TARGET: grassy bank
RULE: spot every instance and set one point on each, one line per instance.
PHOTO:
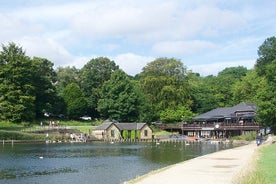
(263, 169)
(36, 132)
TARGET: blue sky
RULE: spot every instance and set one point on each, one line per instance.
(207, 36)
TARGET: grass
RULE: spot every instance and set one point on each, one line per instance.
(84, 129)
(30, 131)
(16, 135)
(159, 133)
(267, 162)
(263, 169)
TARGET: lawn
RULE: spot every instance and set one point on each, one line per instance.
(33, 131)
(266, 165)
(263, 168)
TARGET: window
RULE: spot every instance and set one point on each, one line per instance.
(146, 133)
(112, 133)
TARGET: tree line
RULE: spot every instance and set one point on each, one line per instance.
(165, 90)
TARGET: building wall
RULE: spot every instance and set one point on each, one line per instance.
(98, 134)
(146, 132)
(112, 133)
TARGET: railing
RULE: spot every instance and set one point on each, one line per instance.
(210, 125)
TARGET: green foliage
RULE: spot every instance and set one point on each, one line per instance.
(17, 90)
(132, 134)
(75, 102)
(165, 85)
(13, 135)
(125, 134)
(31, 87)
(248, 137)
(176, 115)
(202, 93)
(46, 96)
(267, 54)
(224, 83)
(119, 99)
(65, 76)
(138, 136)
(92, 77)
(247, 88)
(266, 96)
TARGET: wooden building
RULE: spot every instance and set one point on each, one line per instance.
(221, 122)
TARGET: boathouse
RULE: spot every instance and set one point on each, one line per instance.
(116, 131)
(135, 130)
(107, 131)
(221, 122)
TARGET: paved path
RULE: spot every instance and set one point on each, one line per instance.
(216, 168)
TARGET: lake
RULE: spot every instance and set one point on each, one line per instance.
(95, 162)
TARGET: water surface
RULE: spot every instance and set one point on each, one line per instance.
(85, 163)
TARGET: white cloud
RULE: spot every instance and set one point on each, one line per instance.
(46, 48)
(123, 20)
(131, 63)
(70, 32)
(182, 47)
(215, 68)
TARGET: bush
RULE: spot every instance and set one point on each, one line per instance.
(251, 136)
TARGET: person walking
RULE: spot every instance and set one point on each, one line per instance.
(259, 139)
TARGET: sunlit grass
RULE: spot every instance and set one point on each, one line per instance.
(263, 169)
(267, 164)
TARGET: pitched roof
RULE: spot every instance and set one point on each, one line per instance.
(245, 107)
(228, 112)
(104, 126)
(121, 126)
(130, 126)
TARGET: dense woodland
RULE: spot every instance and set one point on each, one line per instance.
(165, 90)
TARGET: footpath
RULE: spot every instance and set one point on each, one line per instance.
(221, 167)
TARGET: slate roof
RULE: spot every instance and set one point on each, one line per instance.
(130, 126)
(104, 126)
(228, 112)
(121, 126)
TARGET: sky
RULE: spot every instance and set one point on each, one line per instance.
(207, 36)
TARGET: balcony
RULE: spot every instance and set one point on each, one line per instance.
(212, 126)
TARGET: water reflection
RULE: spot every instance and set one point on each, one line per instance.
(92, 162)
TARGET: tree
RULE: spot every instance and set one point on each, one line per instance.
(65, 76)
(246, 90)
(202, 93)
(179, 114)
(92, 77)
(75, 101)
(266, 103)
(224, 82)
(119, 99)
(266, 67)
(44, 79)
(165, 85)
(17, 90)
(267, 54)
